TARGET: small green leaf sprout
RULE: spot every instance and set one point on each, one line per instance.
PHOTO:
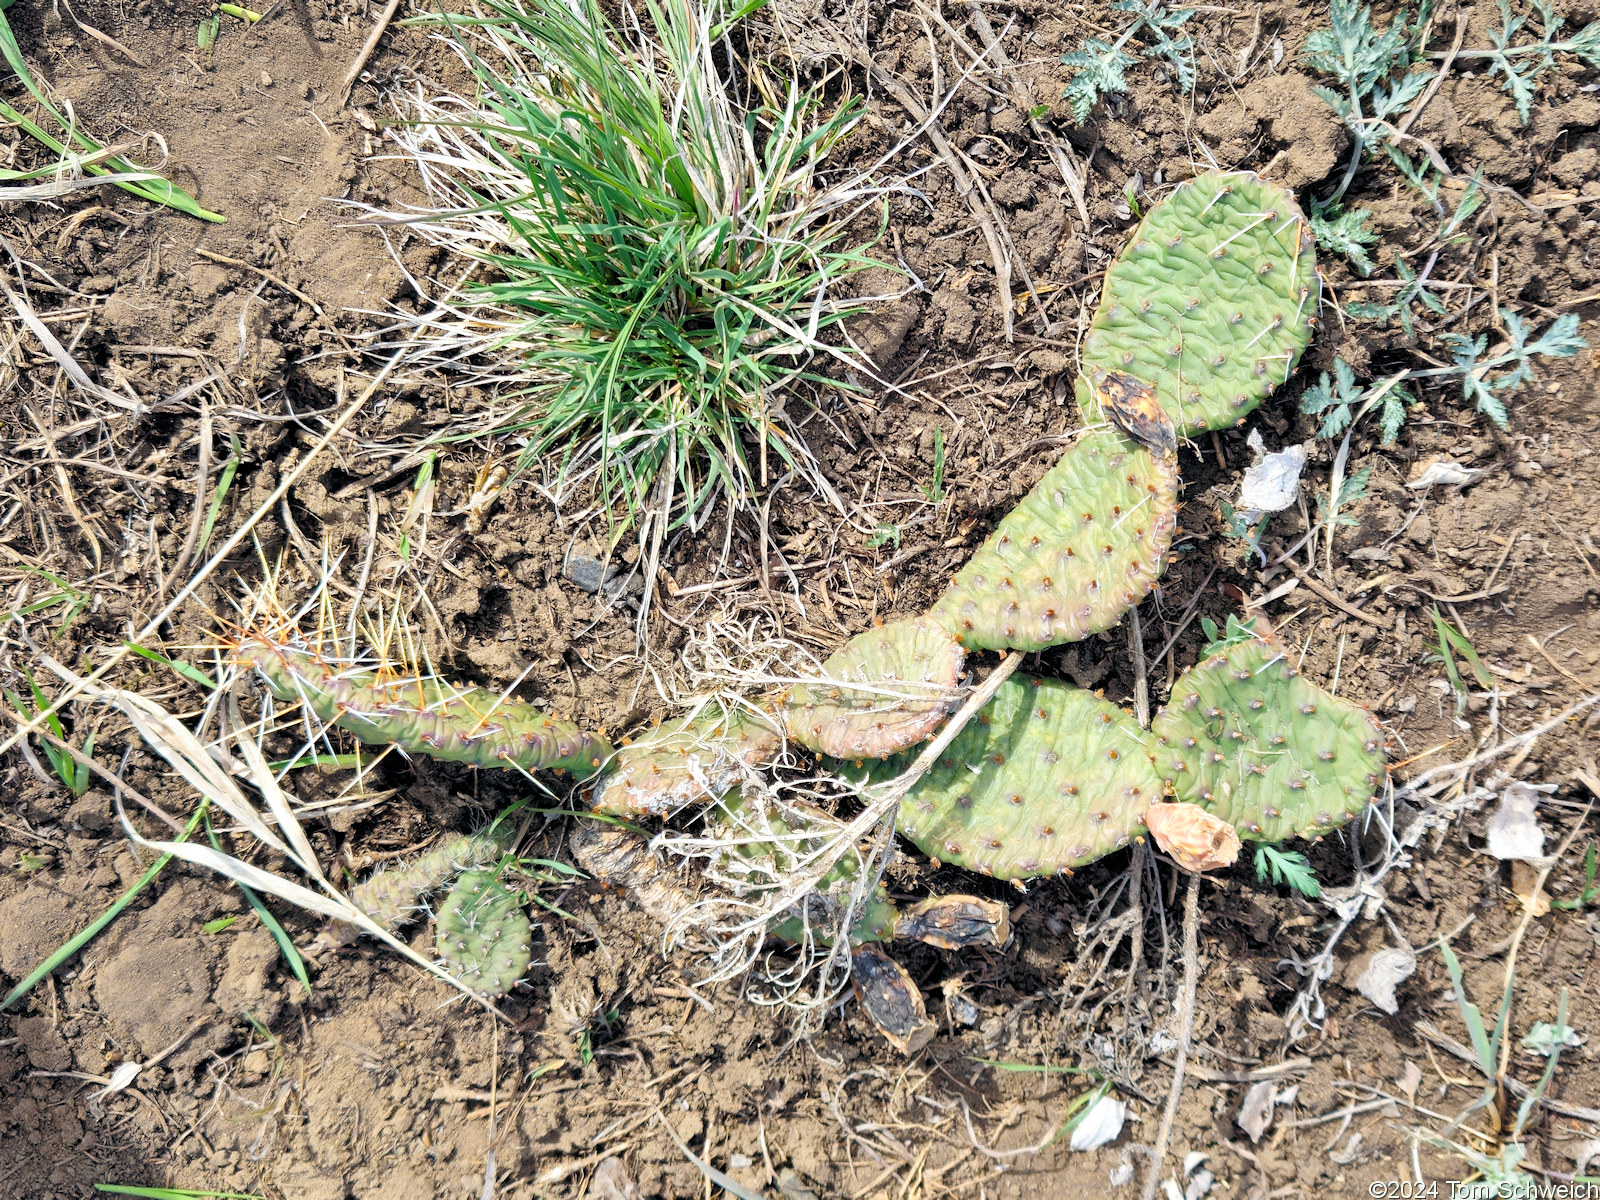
(1289, 867)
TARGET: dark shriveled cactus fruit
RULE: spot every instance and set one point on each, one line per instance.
(908, 671)
(1212, 300)
(1247, 738)
(423, 716)
(1045, 778)
(1081, 549)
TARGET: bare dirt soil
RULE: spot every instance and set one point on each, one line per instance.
(381, 1083)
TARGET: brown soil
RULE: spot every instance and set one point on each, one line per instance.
(381, 1084)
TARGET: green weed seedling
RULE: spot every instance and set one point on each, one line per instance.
(1344, 232)
(1522, 65)
(1373, 70)
(163, 1193)
(1590, 892)
(1288, 867)
(1489, 395)
(1102, 66)
(1451, 643)
(73, 774)
(1414, 289)
(76, 599)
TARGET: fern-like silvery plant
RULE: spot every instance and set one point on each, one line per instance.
(1338, 401)
(1522, 65)
(1344, 232)
(1373, 69)
(1488, 392)
(1102, 66)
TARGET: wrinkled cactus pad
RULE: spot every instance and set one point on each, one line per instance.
(1043, 779)
(1212, 300)
(1081, 549)
(425, 716)
(692, 760)
(1247, 738)
(392, 896)
(483, 935)
(907, 672)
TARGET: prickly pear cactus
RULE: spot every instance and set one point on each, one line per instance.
(1212, 300)
(683, 762)
(483, 935)
(1045, 778)
(1081, 549)
(392, 896)
(1248, 739)
(424, 716)
(908, 672)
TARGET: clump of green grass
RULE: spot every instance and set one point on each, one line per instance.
(657, 255)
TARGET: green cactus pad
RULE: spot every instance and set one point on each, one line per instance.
(423, 716)
(1043, 779)
(1081, 549)
(688, 761)
(483, 936)
(910, 668)
(1212, 300)
(1247, 738)
(392, 896)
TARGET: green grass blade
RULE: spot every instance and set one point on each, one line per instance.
(81, 939)
(1470, 1014)
(286, 945)
(188, 670)
(158, 191)
(224, 482)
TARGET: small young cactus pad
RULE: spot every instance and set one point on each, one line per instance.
(908, 669)
(483, 936)
(688, 761)
(1212, 300)
(1081, 549)
(392, 896)
(1247, 738)
(424, 715)
(1045, 778)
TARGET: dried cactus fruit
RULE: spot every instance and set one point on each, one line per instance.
(1247, 738)
(1196, 839)
(909, 670)
(889, 997)
(688, 761)
(1212, 300)
(423, 715)
(1045, 778)
(482, 933)
(1081, 549)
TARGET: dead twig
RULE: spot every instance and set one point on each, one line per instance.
(1061, 154)
(1191, 972)
(367, 48)
(265, 274)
